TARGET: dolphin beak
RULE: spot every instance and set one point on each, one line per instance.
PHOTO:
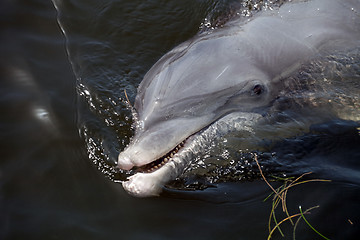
(124, 162)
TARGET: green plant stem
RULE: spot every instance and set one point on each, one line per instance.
(302, 215)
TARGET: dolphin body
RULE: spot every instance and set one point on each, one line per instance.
(233, 70)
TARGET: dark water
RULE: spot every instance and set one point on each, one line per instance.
(64, 120)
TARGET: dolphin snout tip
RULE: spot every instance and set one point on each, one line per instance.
(124, 162)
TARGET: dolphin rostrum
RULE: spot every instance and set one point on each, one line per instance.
(235, 69)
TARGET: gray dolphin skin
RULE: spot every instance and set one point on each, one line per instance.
(234, 70)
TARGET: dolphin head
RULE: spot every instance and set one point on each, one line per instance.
(184, 92)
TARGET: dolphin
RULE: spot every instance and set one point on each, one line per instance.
(234, 70)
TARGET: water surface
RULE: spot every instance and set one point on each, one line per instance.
(64, 119)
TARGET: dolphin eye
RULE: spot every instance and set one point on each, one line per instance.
(257, 89)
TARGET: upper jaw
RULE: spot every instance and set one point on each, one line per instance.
(157, 141)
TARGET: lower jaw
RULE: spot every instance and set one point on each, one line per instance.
(151, 184)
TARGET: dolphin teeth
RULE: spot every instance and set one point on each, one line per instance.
(155, 165)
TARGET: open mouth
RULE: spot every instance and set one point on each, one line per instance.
(155, 165)
(160, 162)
